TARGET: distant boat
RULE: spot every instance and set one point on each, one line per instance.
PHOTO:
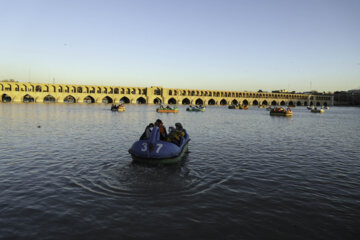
(281, 112)
(315, 110)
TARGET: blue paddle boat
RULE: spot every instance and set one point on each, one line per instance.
(156, 151)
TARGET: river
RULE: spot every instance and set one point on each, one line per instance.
(65, 173)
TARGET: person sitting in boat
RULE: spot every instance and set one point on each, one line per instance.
(114, 107)
(147, 132)
(175, 134)
(162, 129)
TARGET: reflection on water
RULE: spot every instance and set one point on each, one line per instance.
(65, 172)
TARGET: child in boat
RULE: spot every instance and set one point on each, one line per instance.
(162, 129)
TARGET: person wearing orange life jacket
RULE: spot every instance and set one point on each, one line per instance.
(162, 129)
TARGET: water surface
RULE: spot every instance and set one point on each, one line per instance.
(65, 173)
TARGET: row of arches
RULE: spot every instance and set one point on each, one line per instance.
(69, 99)
(186, 101)
(70, 89)
(183, 92)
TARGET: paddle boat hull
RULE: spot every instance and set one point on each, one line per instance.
(317, 110)
(167, 110)
(118, 109)
(233, 107)
(281, 112)
(156, 151)
(195, 109)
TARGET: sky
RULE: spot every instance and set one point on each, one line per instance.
(235, 45)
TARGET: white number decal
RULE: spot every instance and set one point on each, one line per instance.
(144, 147)
(159, 146)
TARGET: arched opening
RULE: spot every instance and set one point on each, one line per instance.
(311, 104)
(298, 103)
(305, 104)
(28, 99)
(107, 99)
(79, 90)
(235, 102)
(69, 99)
(38, 88)
(245, 102)
(211, 102)
(265, 103)
(282, 103)
(89, 99)
(124, 100)
(172, 100)
(223, 102)
(116, 91)
(186, 101)
(49, 99)
(318, 104)
(255, 102)
(291, 103)
(325, 104)
(157, 101)
(274, 103)
(199, 102)
(141, 100)
(6, 98)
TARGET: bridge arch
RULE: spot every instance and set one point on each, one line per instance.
(6, 98)
(124, 100)
(199, 101)
(157, 101)
(223, 102)
(89, 99)
(172, 100)
(27, 98)
(107, 99)
(185, 101)
(298, 103)
(234, 101)
(245, 102)
(274, 103)
(282, 103)
(255, 103)
(318, 104)
(291, 103)
(211, 102)
(265, 103)
(49, 99)
(140, 100)
(69, 99)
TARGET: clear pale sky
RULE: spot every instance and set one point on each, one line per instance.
(226, 44)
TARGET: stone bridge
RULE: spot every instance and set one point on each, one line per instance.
(67, 93)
